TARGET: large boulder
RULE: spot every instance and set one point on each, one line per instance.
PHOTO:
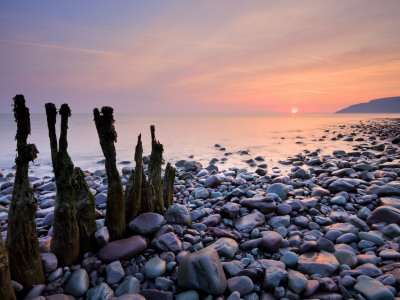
(202, 271)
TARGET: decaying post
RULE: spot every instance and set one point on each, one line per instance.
(85, 213)
(133, 190)
(155, 184)
(115, 214)
(168, 185)
(22, 238)
(146, 205)
(65, 241)
(6, 288)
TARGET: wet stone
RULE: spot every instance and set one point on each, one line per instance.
(322, 263)
(146, 223)
(372, 289)
(202, 271)
(248, 222)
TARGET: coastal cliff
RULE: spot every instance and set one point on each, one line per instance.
(382, 105)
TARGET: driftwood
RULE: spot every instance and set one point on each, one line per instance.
(22, 238)
(115, 216)
(65, 241)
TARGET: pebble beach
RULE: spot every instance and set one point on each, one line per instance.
(321, 226)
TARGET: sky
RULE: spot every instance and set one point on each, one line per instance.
(199, 56)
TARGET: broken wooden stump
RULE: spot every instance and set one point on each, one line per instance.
(65, 241)
(22, 238)
(115, 216)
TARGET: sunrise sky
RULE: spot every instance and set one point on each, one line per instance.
(199, 56)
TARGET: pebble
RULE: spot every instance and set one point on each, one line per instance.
(372, 289)
(225, 247)
(241, 284)
(78, 283)
(146, 223)
(271, 242)
(155, 267)
(49, 261)
(115, 272)
(296, 281)
(102, 291)
(178, 214)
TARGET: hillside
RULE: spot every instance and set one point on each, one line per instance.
(383, 105)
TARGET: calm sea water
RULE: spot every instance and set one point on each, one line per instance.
(272, 136)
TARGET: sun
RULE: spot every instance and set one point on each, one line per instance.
(294, 110)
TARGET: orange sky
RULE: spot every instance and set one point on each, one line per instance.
(200, 56)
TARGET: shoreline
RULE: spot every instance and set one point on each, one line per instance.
(263, 226)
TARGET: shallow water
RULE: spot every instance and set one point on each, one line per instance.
(273, 136)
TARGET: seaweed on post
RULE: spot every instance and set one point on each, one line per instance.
(155, 183)
(65, 241)
(6, 288)
(133, 190)
(168, 185)
(85, 213)
(22, 238)
(115, 214)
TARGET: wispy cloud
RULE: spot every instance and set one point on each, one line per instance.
(90, 51)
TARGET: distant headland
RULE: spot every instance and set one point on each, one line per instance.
(382, 105)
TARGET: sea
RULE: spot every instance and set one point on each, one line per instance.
(274, 137)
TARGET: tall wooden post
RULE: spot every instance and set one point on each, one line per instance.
(22, 238)
(115, 214)
(65, 241)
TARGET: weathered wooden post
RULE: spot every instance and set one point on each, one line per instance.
(115, 214)
(133, 190)
(168, 185)
(22, 238)
(155, 185)
(65, 241)
(6, 288)
(85, 213)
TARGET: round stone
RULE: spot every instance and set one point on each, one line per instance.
(155, 267)
(271, 242)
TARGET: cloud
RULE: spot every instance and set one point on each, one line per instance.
(59, 47)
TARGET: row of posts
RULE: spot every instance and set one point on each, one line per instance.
(74, 213)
